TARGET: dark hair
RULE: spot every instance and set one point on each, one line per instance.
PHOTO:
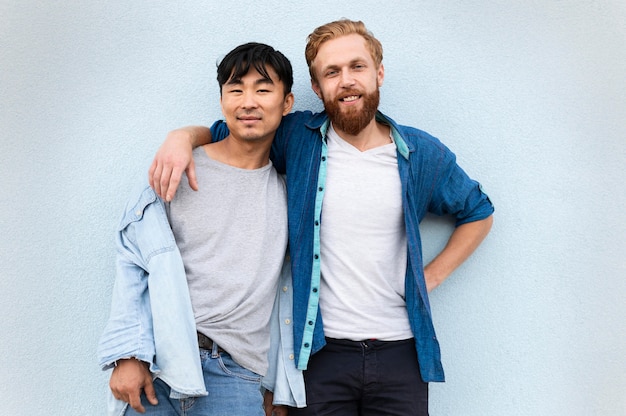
(237, 63)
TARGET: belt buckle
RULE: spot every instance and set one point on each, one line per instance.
(204, 342)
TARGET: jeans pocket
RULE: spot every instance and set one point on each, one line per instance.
(231, 368)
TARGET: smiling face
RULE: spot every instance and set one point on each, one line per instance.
(347, 80)
(253, 105)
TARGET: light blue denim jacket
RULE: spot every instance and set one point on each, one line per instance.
(151, 314)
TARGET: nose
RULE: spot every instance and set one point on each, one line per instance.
(249, 100)
(347, 80)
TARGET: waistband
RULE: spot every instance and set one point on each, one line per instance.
(367, 342)
(206, 343)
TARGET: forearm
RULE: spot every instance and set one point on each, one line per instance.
(462, 243)
(198, 135)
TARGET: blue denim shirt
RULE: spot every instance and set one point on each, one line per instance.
(151, 314)
(431, 182)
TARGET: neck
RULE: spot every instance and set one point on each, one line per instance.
(374, 135)
(241, 154)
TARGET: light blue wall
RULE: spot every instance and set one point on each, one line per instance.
(531, 95)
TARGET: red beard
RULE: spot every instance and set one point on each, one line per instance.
(351, 120)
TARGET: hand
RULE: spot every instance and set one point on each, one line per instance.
(129, 378)
(172, 159)
(280, 411)
(432, 281)
(270, 409)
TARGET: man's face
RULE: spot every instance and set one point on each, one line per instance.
(253, 106)
(348, 82)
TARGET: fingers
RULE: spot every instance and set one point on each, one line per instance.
(153, 167)
(174, 157)
(150, 393)
(191, 174)
(164, 181)
(280, 411)
(270, 409)
(132, 397)
(170, 180)
(165, 176)
(154, 176)
(129, 378)
(268, 397)
(134, 400)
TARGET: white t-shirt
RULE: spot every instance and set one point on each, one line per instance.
(363, 244)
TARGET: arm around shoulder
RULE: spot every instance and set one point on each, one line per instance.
(175, 157)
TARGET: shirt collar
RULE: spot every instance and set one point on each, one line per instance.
(321, 122)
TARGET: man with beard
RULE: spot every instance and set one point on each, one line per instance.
(358, 185)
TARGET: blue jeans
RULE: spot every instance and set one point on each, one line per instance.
(233, 390)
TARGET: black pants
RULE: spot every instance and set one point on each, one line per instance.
(364, 378)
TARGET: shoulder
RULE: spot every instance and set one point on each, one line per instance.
(414, 138)
(420, 138)
(420, 147)
(302, 119)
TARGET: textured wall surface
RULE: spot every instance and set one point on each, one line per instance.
(530, 95)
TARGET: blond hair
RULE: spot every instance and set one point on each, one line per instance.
(337, 29)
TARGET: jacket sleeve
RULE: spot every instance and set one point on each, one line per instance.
(128, 332)
(455, 193)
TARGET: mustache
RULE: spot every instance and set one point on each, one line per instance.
(349, 93)
(248, 114)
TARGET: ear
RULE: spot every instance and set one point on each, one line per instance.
(222, 105)
(316, 88)
(288, 103)
(380, 75)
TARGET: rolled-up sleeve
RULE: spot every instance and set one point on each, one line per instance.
(455, 193)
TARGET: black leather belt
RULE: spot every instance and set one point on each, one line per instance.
(206, 343)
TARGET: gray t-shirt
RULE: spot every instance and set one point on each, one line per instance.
(232, 235)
